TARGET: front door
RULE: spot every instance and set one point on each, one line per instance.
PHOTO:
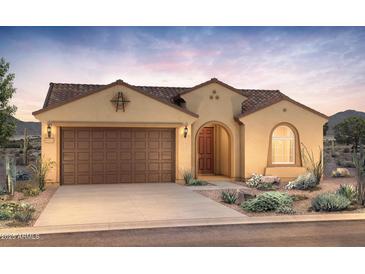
(206, 151)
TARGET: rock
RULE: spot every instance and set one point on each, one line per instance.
(341, 172)
(270, 179)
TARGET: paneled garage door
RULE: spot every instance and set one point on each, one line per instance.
(117, 155)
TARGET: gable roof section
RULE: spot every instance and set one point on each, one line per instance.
(60, 94)
(260, 99)
(211, 81)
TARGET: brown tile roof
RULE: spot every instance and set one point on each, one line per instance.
(60, 93)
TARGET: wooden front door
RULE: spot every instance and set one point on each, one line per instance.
(206, 151)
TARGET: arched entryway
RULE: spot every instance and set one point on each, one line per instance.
(213, 143)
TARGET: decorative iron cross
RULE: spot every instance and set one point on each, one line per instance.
(119, 101)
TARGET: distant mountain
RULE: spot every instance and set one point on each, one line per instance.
(33, 128)
(340, 116)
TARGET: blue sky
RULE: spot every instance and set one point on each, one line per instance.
(322, 67)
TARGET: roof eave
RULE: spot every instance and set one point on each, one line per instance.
(118, 82)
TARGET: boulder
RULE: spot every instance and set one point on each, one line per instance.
(270, 180)
(341, 172)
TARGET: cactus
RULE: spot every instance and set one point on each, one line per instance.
(359, 161)
(26, 147)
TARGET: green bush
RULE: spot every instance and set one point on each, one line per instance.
(27, 189)
(348, 191)
(188, 176)
(197, 182)
(24, 213)
(6, 214)
(229, 197)
(285, 210)
(303, 182)
(268, 201)
(330, 202)
(266, 186)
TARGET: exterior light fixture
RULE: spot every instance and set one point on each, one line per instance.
(185, 131)
(49, 130)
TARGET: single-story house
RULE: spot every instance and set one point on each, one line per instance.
(122, 133)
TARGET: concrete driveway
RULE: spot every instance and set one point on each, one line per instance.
(97, 204)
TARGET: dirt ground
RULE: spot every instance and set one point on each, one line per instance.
(39, 202)
(301, 207)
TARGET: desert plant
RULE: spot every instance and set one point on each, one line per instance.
(31, 191)
(330, 202)
(197, 182)
(347, 191)
(268, 201)
(254, 181)
(266, 186)
(285, 210)
(25, 147)
(229, 197)
(5, 214)
(188, 176)
(346, 150)
(359, 162)
(40, 170)
(303, 182)
(24, 213)
(313, 166)
(298, 197)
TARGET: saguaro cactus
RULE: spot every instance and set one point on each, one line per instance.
(25, 147)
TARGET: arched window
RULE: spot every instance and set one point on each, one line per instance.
(283, 145)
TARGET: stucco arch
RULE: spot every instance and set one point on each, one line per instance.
(298, 156)
(230, 145)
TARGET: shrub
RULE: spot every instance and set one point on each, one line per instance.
(197, 182)
(229, 197)
(40, 170)
(348, 191)
(314, 167)
(268, 201)
(265, 186)
(340, 172)
(254, 181)
(5, 214)
(24, 213)
(303, 182)
(359, 161)
(330, 202)
(346, 150)
(188, 176)
(285, 210)
(27, 189)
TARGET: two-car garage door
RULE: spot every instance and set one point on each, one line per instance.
(117, 155)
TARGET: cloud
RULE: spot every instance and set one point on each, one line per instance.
(321, 67)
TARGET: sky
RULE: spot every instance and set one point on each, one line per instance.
(321, 67)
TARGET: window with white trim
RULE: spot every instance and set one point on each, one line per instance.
(283, 145)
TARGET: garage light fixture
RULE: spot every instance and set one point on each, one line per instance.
(49, 132)
(185, 131)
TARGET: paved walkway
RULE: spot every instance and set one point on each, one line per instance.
(129, 203)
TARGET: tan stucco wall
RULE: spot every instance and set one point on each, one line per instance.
(257, 129)
(96, 110)
(248, 144)
(221, 111)
(222, 151)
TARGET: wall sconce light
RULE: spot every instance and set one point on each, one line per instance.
(185, 131)
(49, 132)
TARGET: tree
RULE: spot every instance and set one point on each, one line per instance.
(7, 125)
(351, 132)
(325, 129)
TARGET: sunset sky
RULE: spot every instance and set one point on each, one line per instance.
(322, 67)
